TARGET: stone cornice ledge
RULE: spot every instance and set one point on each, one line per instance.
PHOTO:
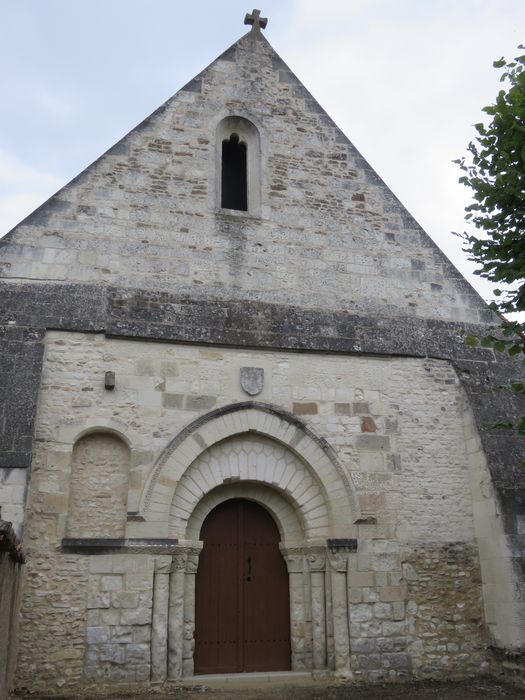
(107, 545)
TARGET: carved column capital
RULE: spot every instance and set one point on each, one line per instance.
(294, 558)
(178, 561)
(338, 561)
(192, 559)
(316, 558)
(186, 557)
(162, 564)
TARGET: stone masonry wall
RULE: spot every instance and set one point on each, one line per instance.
(397, 427)
(99, 487)
(54, 601)
(118, 633)
(388, 438)
(328, 233)
(444, 609)
(416, 610)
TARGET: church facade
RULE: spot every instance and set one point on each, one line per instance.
(242, 428)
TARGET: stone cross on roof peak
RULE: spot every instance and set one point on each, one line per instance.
(256, 20)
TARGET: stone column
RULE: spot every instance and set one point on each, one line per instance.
(338, 565)
(176, 615)
(188, 647)
(294, 559)
(159, 626)
(316, 557)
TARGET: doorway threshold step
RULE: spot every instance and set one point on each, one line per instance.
(248, 679)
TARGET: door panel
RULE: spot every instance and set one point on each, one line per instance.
(242, 610)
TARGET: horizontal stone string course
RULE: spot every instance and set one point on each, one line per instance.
(101, 545)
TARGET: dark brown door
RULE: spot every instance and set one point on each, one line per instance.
(242, 611)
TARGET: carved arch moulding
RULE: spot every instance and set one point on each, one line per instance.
(191, 466)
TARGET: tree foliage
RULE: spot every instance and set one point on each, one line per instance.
(494, 170)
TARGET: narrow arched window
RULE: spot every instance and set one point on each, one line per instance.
(234, 179)
(238, 166)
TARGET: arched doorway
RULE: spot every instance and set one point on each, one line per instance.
(242, 610)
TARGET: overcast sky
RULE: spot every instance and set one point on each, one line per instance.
(404, 79)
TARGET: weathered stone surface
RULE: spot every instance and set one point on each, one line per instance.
(445, 609)
(252, 380)
(362, 446)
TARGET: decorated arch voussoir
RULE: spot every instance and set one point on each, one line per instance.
(249, 460)
(314, 453)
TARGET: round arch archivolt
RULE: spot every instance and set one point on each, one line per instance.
(259, 469)
(168, 482)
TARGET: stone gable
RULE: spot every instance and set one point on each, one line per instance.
(327, 232)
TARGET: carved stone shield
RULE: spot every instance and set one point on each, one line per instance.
(252, 380)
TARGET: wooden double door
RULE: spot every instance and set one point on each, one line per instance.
(242, 610)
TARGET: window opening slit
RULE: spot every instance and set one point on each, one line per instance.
(234, 185)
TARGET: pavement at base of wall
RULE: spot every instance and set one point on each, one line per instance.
(475, 689)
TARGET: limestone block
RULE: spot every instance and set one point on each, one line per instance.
(142, 673)
(125, 599)
(93, 618)
(98, 635)
(370, 595)
(138, 582)
(109, 617)
(355, 595)
(101, 564)
(392, 593)
(393, 628)
(114, 653)
(136, 617)
(383, 611)
(398, 660)
(98, 600)
(111, 583)
(385, 562)
(360, 578)
(122, 634)
(361, 612)
(398, 610)
(369, 661)
(141, 635)
(137, 653)
(364, 646)
(385, 644)
(121, 674)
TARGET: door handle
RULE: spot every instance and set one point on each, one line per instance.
(249, 569)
